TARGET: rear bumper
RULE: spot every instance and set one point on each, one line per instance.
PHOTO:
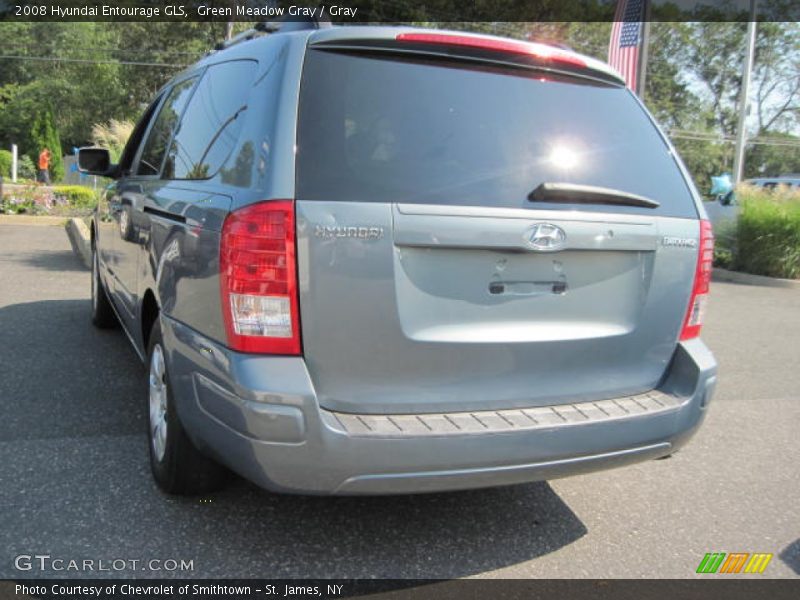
(260, 417)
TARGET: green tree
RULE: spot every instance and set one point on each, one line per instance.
(45, 135)
(765, 160)
(90, 72)
(713, 58)
(5, 163)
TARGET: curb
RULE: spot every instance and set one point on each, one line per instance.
(31, 220)
(749, 279)
(79, 237)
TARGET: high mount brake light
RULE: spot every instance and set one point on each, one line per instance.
(539, 51)
(258, 279)
(702, 279)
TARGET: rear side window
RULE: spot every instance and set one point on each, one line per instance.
(158, 138)
(378, 130)
(212, 122)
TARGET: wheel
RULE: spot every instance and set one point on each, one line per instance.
(126, 224)
(177, 465)
(103, 316)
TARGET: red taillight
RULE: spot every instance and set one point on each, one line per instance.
(702, 280)
(539, 51)
(258, 279)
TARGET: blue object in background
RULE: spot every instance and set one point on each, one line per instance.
(74, 168)
(721, 185)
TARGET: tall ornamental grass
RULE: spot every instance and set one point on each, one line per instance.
(768, 232)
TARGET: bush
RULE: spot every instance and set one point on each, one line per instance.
(62, 200)
(76, 195)
(724, 243)
(768, 233)
(25, 168)
(14, 206)
(29, 199)
(5, 164)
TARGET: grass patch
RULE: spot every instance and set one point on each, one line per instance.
(766, 237)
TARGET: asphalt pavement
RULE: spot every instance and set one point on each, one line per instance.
(75, 481)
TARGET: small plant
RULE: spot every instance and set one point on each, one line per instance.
(25, 168)
(18, 205)
(77, 196)
(30, 199)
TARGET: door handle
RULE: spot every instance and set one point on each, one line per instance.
(164, 214)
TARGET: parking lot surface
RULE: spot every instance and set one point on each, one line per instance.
(75, 481)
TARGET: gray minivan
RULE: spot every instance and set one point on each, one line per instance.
(370, 260)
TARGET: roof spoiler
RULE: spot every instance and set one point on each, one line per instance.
(467, 46)
(284, 25)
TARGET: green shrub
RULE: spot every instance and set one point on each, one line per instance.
(723, 257)
(10, 206)
(768, 233)
(76, 195)
(724, 244)
(5, 164)
(25, 168)
(28, 199)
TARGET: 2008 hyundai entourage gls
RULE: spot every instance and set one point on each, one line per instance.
(371, 260)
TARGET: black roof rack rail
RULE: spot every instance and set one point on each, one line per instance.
(284, 25)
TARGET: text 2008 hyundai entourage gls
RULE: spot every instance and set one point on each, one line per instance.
(371, 260)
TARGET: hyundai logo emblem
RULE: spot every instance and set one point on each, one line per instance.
(546, 237)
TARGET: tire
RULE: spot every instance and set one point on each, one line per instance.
(103, 316)
(177, 465)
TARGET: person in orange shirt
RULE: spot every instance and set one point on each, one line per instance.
(44, 166)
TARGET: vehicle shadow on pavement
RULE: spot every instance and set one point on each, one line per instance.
(74, 449)
(441, 535)
(53, 260)
(62, 377)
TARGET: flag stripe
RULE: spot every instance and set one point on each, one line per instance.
(623, 48)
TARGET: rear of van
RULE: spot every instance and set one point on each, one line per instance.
(494, 269)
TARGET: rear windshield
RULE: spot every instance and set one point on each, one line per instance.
(373, 129)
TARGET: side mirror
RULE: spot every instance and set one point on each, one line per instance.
(95, 161)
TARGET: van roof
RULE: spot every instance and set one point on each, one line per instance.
(434, 41)
(455, 40)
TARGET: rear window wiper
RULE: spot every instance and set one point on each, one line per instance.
(587, 194)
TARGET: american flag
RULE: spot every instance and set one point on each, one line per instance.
(626, 35)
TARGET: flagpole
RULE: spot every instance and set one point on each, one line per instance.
(229, 25)
(741, 134)
(641, 77)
